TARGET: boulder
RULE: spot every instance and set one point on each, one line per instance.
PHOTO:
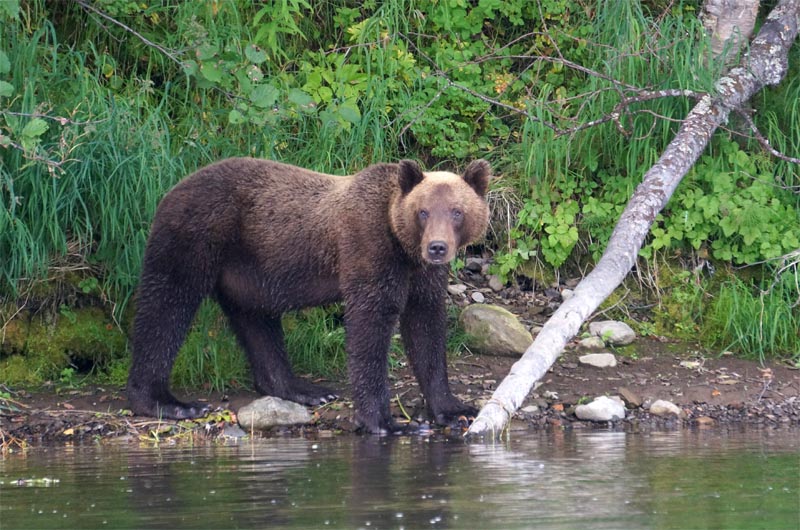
(270, 411)
(495, 331)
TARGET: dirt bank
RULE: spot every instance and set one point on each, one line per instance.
(710, 391)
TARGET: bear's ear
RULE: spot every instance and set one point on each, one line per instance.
(477, 176)
(410, 175)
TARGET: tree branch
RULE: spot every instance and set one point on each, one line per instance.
(148, 42)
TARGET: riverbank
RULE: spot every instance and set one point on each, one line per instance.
(709, 391)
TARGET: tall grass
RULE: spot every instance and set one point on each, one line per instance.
(756, 323)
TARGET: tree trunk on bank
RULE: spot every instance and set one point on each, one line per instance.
(765, 64)
(730, 24)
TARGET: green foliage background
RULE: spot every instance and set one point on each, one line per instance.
(105, 104)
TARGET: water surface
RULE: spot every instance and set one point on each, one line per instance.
(570, 479)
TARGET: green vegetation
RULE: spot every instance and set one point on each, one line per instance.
(105, 104)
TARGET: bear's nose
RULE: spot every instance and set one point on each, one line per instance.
(437, 250)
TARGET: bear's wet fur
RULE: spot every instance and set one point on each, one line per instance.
(263, 238)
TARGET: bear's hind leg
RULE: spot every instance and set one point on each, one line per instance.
(262, 339)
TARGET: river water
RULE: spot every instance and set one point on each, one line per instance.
(723, 479)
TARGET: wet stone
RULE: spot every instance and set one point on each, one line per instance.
(269, 412)
(602, 408)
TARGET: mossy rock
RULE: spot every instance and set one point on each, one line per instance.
(39, 348)
(83, 334)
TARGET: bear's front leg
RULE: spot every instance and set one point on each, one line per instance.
(423, 326)
(369, 323)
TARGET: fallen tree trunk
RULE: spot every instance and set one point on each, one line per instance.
(765, 64)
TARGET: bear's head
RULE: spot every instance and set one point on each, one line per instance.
(436, 213)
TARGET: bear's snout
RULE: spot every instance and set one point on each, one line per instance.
(437, 251)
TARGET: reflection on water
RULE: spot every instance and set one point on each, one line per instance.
(570, 479)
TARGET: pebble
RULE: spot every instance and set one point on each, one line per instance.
(566, 294)
(495, 284)
(478, 297)
(456, 289)
(598, 360)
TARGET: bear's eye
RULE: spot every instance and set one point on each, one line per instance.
(457, 215)
(423, 215)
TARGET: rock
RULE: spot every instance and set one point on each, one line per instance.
(530, 409)
(270, 411)
(598, 360)
(602, 408)
(630, 397)
(233, 431)
(553, 294)
(478, 297)
(704, 421)
(495, 331)
(456, 289)
(474, 264)
(592, 343)
(664, 408)
(495, 284)
(613, 332)
(566, 294)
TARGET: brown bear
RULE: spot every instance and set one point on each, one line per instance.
(263, 238)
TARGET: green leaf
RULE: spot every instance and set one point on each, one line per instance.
(5, 64)
(211, 72)
(206, 51)
(35, 128)
(255, 54)
(264, 96)
(189, 67)
(10, 8)
(235, 117)
(300, 98)
(6, 89)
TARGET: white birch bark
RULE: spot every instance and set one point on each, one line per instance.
(730, 23)
(765, 64)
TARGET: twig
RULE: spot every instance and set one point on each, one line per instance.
(141, 37)
(764, 141)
